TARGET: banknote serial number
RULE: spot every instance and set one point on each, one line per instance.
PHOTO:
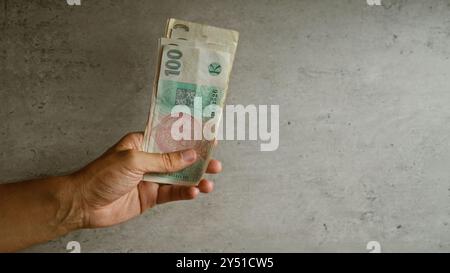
(236, 262)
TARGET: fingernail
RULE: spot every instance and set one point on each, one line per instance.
(189, 155)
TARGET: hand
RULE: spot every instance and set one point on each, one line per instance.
(106, 192)
(110, 190)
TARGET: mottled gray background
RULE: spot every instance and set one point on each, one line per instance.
(364, 95)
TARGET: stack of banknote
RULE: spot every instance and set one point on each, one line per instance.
(189, 90)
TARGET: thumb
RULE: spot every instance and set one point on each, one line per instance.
(162, 163)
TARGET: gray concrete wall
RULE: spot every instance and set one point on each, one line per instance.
(364, 94)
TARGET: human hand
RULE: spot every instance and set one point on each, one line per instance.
(110, 190)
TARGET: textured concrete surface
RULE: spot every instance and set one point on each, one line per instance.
(364, 95)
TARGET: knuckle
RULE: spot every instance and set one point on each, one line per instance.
(168, 161)
(130, 137)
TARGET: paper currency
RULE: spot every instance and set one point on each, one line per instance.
(194, 67)
(179, 29)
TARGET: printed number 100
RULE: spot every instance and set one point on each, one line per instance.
(173, 65)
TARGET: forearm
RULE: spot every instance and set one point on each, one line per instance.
(37, 211)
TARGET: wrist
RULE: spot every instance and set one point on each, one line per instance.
(70, 214)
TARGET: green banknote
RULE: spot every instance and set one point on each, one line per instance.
(192, 78)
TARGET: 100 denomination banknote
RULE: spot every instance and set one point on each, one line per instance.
(193, 75)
